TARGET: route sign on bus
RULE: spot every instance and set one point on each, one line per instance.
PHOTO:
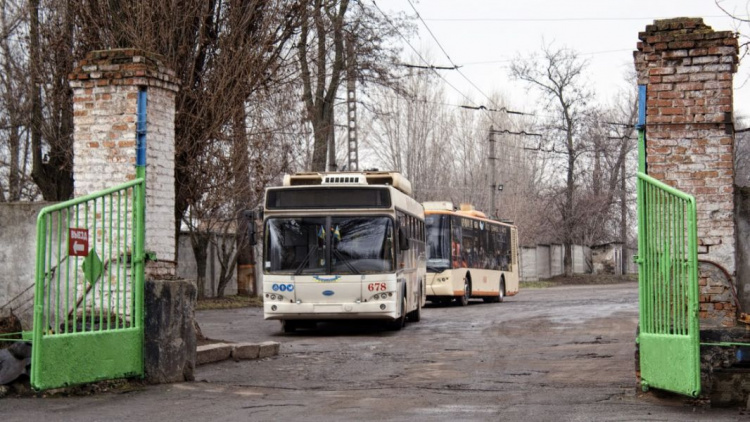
(78, 242)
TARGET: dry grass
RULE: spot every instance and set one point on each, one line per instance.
(228, 302)
(580, 279)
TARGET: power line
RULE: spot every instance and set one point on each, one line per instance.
(593, 53)
(566, 19)
(417, 52)
(431, 67)
(449, 58)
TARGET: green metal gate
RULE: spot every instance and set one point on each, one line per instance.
(669, 334)
(88, 301)
(669, 330)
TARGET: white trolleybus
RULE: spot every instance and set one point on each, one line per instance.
(343, 246)
(469, 255)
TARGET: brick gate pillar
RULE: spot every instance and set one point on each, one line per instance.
(106, 86)
(688, 69)
(105, 95)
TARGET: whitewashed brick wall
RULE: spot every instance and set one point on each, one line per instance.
(105, 87)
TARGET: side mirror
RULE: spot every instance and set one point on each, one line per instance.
(403, 240)
(251, 235)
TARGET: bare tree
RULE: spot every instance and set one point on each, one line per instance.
(222, 52)
(557, 74)
(408, 133)
(14, 104)
(327, 25)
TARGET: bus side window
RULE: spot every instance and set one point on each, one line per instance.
(456, 242)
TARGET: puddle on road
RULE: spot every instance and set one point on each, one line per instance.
(457, 408)
(585, 313)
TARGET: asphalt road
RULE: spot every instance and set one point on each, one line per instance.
(556, 354)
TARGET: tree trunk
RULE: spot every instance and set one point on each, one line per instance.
(200, 242)
(569, 220)
(318, 94)
(242, 201)
(623, 218)
(52, 172)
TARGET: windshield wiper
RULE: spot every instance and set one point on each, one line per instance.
(299, 269)
(433, 269)
(345, 261)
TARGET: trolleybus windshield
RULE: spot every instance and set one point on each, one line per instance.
(438, 242)
(329, 245)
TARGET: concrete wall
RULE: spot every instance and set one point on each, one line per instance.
(18, 254)
(543, 262)
(742, 216)
(556, 258)
(546, 261)
(581, 259)
(188, 269)
(528, 264)
(17, 257)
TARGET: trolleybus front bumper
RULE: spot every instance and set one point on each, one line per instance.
(384, 310)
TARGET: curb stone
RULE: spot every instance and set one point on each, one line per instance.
(216, 352)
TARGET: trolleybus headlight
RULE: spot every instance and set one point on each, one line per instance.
(273, 308)
(280, 297)
(273, 297)
(390, 294)
(383, 296)
(382, 307)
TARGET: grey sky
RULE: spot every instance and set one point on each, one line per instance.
(483, 36)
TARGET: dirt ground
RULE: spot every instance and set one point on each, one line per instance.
(559, 353)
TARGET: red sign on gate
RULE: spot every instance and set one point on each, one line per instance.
(78, 242)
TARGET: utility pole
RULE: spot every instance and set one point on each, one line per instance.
(351, 102)
(331, 145)
(492, 159)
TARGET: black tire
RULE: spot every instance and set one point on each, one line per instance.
(416, 315)
(501, 294)
(464, 299)
(288, 326)
(399, 323)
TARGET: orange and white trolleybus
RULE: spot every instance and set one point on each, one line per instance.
(469, 255)
(347, 245)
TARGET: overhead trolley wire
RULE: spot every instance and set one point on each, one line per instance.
(457, 68)
(566, 19)
(417, 52)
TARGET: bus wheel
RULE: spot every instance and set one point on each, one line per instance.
(501, 293)
(288, 326)
(416, 315)
(463, 300)
(398, 324)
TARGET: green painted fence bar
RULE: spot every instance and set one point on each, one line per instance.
(88, 301)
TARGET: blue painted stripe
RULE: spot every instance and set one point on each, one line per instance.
(140, 144)
(641, 107)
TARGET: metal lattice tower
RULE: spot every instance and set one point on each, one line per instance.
(351, 102)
